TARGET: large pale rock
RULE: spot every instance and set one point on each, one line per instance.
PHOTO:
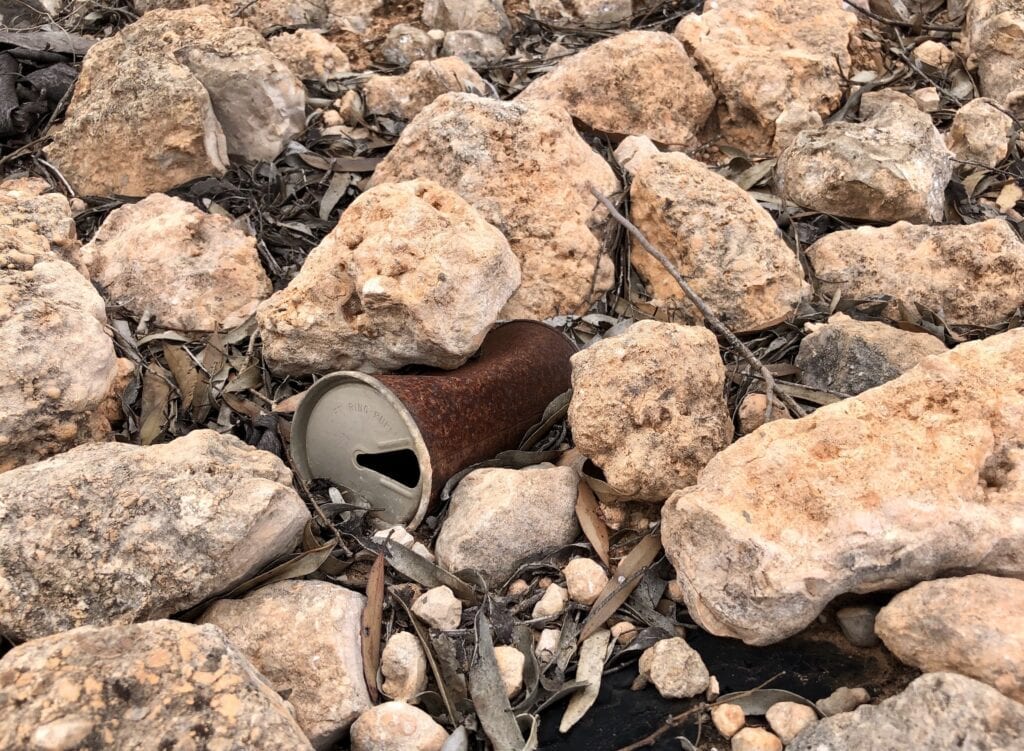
(304, 636)
(58, 369)
(497, 517)
(880, 491)
(980, 134)
(849, 356)
(933, 712)
(724, 244)
(648, 407)
(397, 726)
(310, 55)
(636, 83)
(189, 270)
(765, 57)
(893, 166)
(525, 169)
(162, 684)
(28, 203)
(970, 274)
(167, 98)
(972, 625)
(994, 37)
(487, 16)
(410, 274)
(402, 97)
(135, 533)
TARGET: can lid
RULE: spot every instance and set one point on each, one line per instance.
(352, 430)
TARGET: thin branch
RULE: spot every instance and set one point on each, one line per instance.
(709, 316)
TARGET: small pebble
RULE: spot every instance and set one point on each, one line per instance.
(552, 603)
(518, 588)
(675, 669)
(404, 667)
(510, 665)
(547, 644)
(928, 100)
(842, 700)
(584, 580)
(674, 592)
(436, 34)
(858, 625)
(756, 739)
(728, 719)
(714, 690)
(439, 608)
(624, 632)
(788, 719)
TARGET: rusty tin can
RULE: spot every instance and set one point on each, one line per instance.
(396, 439)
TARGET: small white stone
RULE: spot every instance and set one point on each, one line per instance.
(584, 580)
(552, 603)
(728, 719)
(439, 608)
(788, 719)
(547, 644)
(397, 726)
(624, 632)
(404, 667)
(510, 665)
(422, 550)
(934, 54)
(928, 99)
(436, 34)
(714, 690)
(755, 739)
(517, 588)
(397, 534)
(675, 669)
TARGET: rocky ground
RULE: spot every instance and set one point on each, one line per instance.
(783, 509)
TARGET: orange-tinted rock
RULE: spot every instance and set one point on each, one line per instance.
(28, 202)
(980, 134)
(994, 38)
(402, 97)
(310, 55)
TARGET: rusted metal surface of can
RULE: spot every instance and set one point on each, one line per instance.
(396, 439)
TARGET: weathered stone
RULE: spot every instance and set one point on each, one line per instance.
(675, 669)
(752, 412)
(793, 121)
(624, 632)
(728, 719)
(648, 407)
(28, 203)
(552, 603)
(525, 169)
(592, 13)
(402, 97)
(134, 533)
(163, 684)
(58, 369)
(765, 56)
(980, 134)
(510, 667)
(788, 719)
(724, 244)
(475, 47)
(873, 102)
(893, 166)
(927, 99)
(310, 55)
(410, 274)
(858, 624)
(882, 490)
(982, 279)
(406, 44)
(584, 579)
(934, 711)
(189, 270)
(848, 356)
(397, 726)
(755, 739)
(267, 16)
(167, 98)
(633, 151)
(994, 38)
(439, 608)
(499, 516)
(547, 644)
(636, 83)
(972, 625)
(404, 667)
(934, 54)
(476, 15)
(843, 699)
(304, 637)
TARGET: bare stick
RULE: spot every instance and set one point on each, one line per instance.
(713, 321)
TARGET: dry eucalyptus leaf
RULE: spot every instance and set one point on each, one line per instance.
(593, 653)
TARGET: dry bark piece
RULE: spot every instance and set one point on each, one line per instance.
(189, 270)
(411, 274)
(304, 637)
(785, 520)
(145, 685)
(483, 150)
(134, 533)
(402, 97)
(635, 83)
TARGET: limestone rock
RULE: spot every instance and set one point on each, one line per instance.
(510, 666)
(848, 356)
(476, 15)
(134, 533)
(893, 166)
(404, 667)
(267, 16)
(873, 102)
(633, 151)
(982, 279)
(675, 669)
(58, 368)
(931, 712)
(766, 56)
(402, 97)
(190, 270)
(584, 579)
(980, 134)
(397, 726)
(589, 13)
(405, 44)
(793, 121)
(752, 412)
(994, 38)
(484, 150)
(310, 55)
(858, 624)
(410, 274)
(788, 719)
(304, 636)
(439, 608)
(547, 644)
(724, 244)
(162, 684)
(552, 603)
(973, 625)
(755, 739)
(636, 83)
(475, 47)
(934, 54)
(624, 633)
(883, 490)
(28, 203)
(648, 407)
(843, 699)
(167, 98)
(927, 99)
(499, 516)
(728, 719)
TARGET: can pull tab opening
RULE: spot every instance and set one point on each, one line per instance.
(402, 466)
